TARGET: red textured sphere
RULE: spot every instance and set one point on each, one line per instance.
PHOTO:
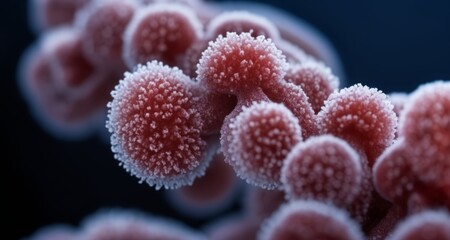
(156, 128)
(323, 168)
(161, 32)
(425, 122)
(393, 175)
(362, 116)
(240, 62)
(263, 135)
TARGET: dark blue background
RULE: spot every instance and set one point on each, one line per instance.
(392, 45)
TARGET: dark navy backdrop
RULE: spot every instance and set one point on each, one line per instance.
(391, 45)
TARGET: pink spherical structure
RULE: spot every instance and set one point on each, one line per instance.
(315, 79)
(66, 93)
(395, 166)
(160, 32)
(263, 135)
(239, 22)
(240, 62)
(134, 225)
(426, 225)
(323, 168)
(156, 128)
(425, 124)
(362, 116)
(102, 24)
(310, 220)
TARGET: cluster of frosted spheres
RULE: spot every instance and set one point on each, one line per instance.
(213, 97)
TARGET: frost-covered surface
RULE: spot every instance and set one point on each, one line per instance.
(323, 168)
(266, 89)
(419, 161)
(362, 116)
(239, 62)
(394, 166)
(160, 32)
(156, 128)
(426, 118)
(310, 220)
(263, 135)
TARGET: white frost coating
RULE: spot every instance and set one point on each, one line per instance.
(130, 56)
(422, 102)
(133, 224)
(424, 123)
(428, 220)
(242, 17)
(269, 68)
(157, 162)
(299, 208)
(341, 188)
(257, 155)
(55, 232)
(374, 114)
